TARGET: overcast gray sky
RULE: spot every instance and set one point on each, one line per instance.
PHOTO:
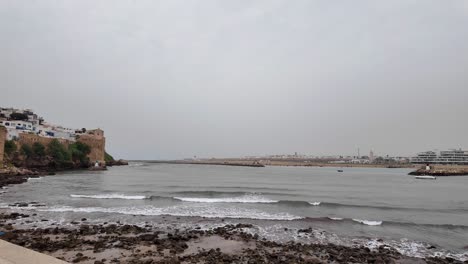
(174, 79)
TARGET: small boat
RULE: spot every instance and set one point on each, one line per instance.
(425, 177)
(340, 170)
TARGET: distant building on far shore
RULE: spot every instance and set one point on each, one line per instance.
(371, 156)
(454, 157)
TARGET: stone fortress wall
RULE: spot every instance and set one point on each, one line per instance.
(94, 139)
(29, 139)
(97, 142)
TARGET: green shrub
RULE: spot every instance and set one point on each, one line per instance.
(38, 149)
(10, 147)
(108, 157)
(79, 152)
(26, 150)
(58, 152)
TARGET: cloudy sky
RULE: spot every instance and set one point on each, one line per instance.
(174, 79)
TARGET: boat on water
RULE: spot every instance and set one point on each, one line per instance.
(425, 177)
(340, 170)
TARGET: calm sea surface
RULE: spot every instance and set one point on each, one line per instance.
(360, 206)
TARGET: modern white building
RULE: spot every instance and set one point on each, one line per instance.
(453, 156)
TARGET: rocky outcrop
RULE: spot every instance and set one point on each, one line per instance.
(443, 171)
(17, 175)
(119, 162)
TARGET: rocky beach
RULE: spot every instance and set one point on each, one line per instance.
(115, 242)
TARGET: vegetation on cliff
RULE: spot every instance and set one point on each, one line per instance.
(10, 147)
(108, 157)
(55, 155)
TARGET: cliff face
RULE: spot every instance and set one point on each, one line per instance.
(3, 133)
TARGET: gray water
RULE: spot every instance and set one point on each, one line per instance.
(355, 207)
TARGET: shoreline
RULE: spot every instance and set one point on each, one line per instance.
(436, 170)
(14, 175)
(256, 163)
(83, 242)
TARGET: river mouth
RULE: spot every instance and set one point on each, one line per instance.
(360, 207)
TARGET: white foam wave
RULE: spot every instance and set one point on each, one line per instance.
(315, 203)
(34, 178)
(199, 211)
(240, 199)
(416, 249)
(109, 196)
(368, 222)
(336, 218)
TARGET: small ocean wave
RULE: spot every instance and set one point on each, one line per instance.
(239, 199)
(299, 203)
(110, 196)
(387, 223)
(368, 222)
(135, 164)
(242, 188)
(385, 207)
(34, 178)
(213, 193)
(183, 211)
(417, 249)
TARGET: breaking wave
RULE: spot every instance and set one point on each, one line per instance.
(188, 211)
(110, 196)
(34, 178)
(368, 222)
(239, 199)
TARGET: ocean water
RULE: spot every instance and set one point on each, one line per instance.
(360, 206)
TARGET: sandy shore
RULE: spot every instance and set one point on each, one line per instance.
(81, 242)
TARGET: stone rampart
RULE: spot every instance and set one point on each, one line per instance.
(29, 139)
(97, 145)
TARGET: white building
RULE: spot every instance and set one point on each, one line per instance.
(453, 156)
(32, 124)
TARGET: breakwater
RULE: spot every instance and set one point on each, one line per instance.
(442, 170)
(237, 164)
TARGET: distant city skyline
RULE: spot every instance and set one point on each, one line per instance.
(177, 79)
